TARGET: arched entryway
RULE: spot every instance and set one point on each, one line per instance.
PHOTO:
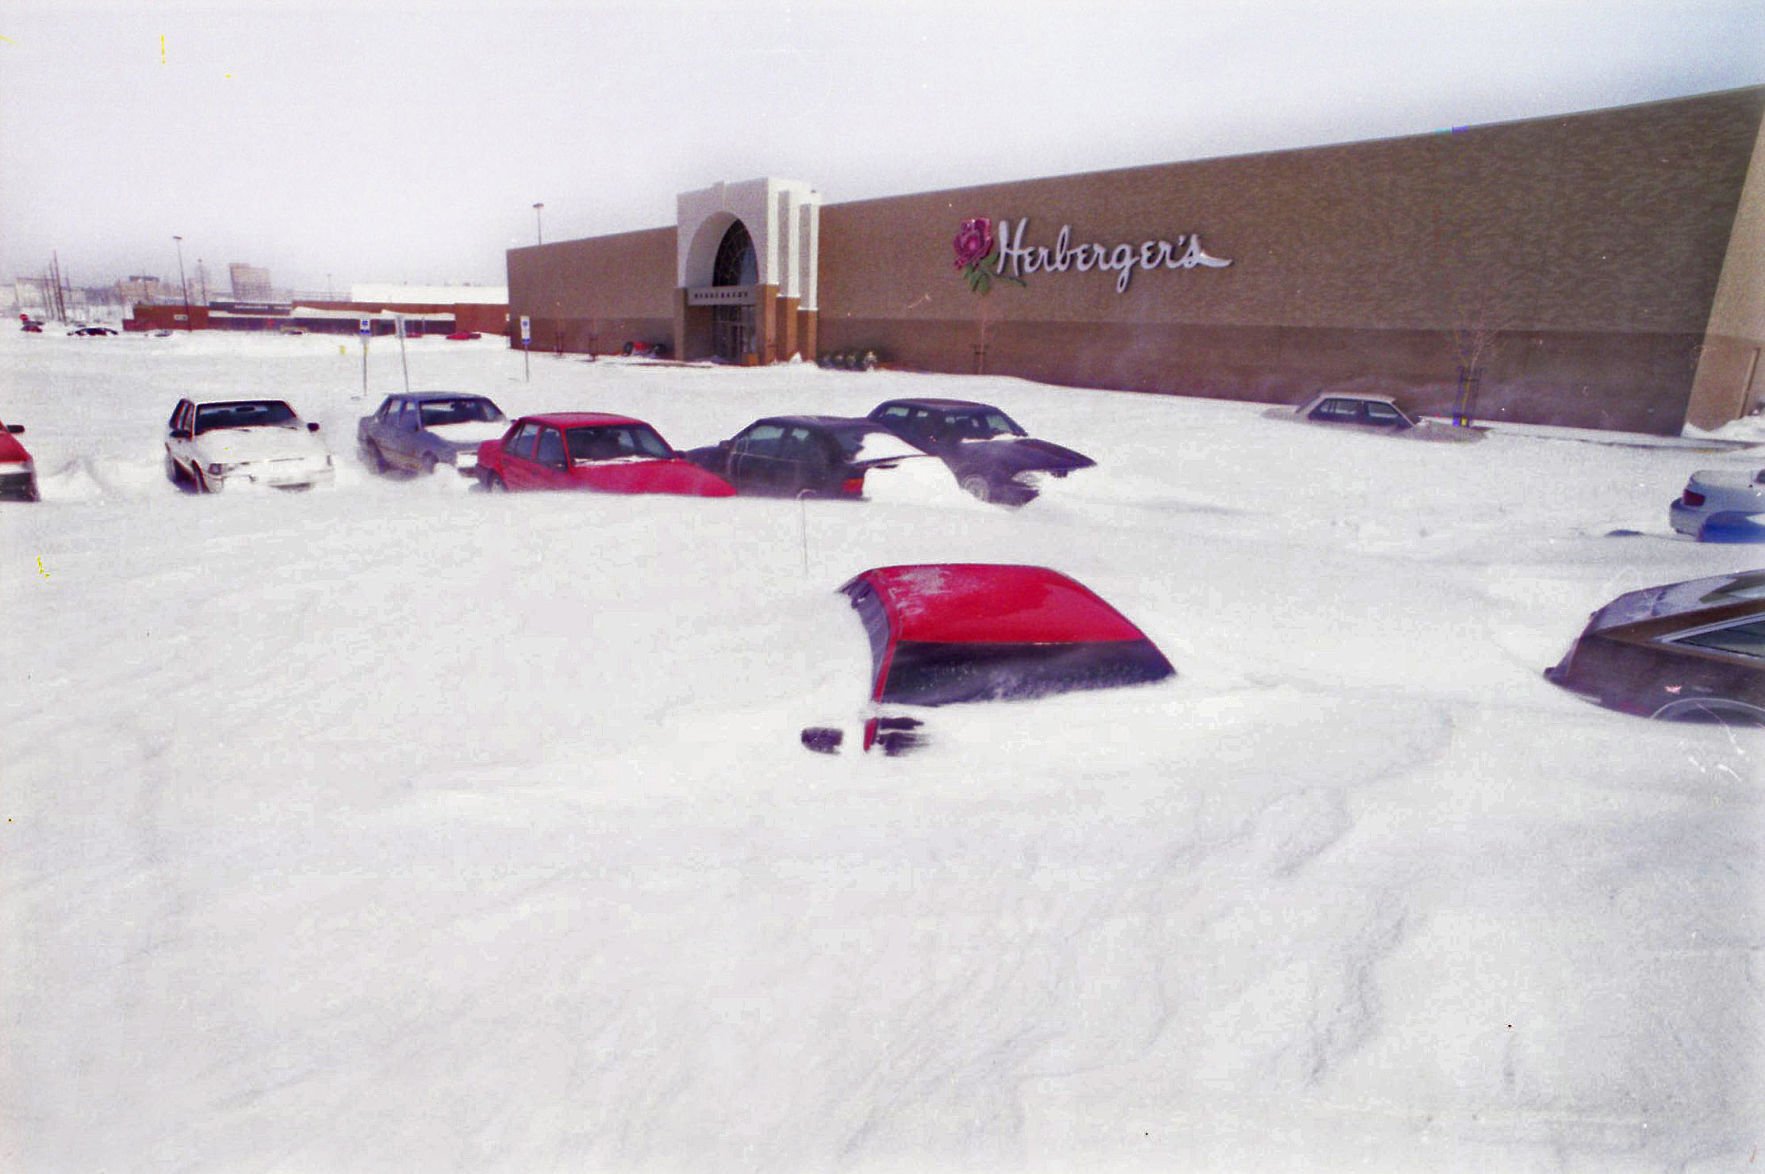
(732, 326)
(745, 271)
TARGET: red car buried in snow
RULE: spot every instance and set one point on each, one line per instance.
(591, 450)
(944, 633)
(18, 473)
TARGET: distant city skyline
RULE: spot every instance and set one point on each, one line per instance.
(412, 144)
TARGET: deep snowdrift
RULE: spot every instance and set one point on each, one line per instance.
(398, 827)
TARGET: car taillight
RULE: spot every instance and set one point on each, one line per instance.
(853, 486)
(1693, 498)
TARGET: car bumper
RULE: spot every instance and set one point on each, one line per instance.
(1686, 519)
(271, 477)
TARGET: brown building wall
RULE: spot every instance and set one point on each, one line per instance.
(1571, 262)
(593, 296)
(1584, 250)
(166, 317)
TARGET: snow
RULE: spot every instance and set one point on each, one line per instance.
(396, 827)
(470, 431)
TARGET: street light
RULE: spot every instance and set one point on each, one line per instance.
(182, 282)
(538, 223)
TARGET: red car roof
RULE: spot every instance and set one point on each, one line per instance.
(580, 419)
(990, 603)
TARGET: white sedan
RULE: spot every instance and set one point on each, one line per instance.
(254, 442)
(1730, 497)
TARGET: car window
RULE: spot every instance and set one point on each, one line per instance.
(1340, 410)
(521, 444)
(551, 448)
(611, 442)
(176, 413)
(388, 408)
(245, 414)
(408, 416)
(1746, 638)
(896, 412)
(1383, 414)
(804, 447)
(762, 440)
(468, 410)
(977, 425)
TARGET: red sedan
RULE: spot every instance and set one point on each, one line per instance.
(591, 450)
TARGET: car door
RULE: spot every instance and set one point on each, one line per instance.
(519, 470)
(807, 462)
(551, 467)
(756, 460)
(401, 447)
(180, 433)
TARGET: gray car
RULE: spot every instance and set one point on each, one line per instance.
(418, 431)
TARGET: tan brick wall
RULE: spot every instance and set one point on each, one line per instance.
(594, 295)
(1587, 249)
(1589, 246)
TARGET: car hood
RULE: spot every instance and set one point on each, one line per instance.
(11, 451)
(469, 434)
(1018, 454)
(236, 445)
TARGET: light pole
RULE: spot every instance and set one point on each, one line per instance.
(185, 285)
(538, 223)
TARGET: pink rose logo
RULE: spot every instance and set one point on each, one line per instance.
(974, 243)
(975, 247)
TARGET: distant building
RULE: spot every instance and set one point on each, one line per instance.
(139, 289)
(424, 310)
(250, 283)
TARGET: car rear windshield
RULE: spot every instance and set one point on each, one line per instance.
(610, 442)
(244, 414)
(942, 674)
(459, 411)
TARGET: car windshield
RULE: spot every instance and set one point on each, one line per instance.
(466, 410)
(611, 442)
(261, 413)
(981, 425)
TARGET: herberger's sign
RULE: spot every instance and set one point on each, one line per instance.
(1012, 257)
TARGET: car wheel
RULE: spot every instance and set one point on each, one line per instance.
(173, 471)
(494, 484)
(977, 485)
(428, 464)
(377, 459)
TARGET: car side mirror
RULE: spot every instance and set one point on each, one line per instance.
(312, 426)
(181, 434)
(15, 429)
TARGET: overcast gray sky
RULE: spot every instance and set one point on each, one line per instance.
(403, 142)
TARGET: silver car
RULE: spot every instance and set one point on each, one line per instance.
(421, 430)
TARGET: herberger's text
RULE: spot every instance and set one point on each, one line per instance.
(1183, 253)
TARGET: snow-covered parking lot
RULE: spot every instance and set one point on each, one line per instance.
(399, 827)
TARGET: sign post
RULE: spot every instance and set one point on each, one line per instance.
(527, 347)
(398, 324)
(367, 328)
